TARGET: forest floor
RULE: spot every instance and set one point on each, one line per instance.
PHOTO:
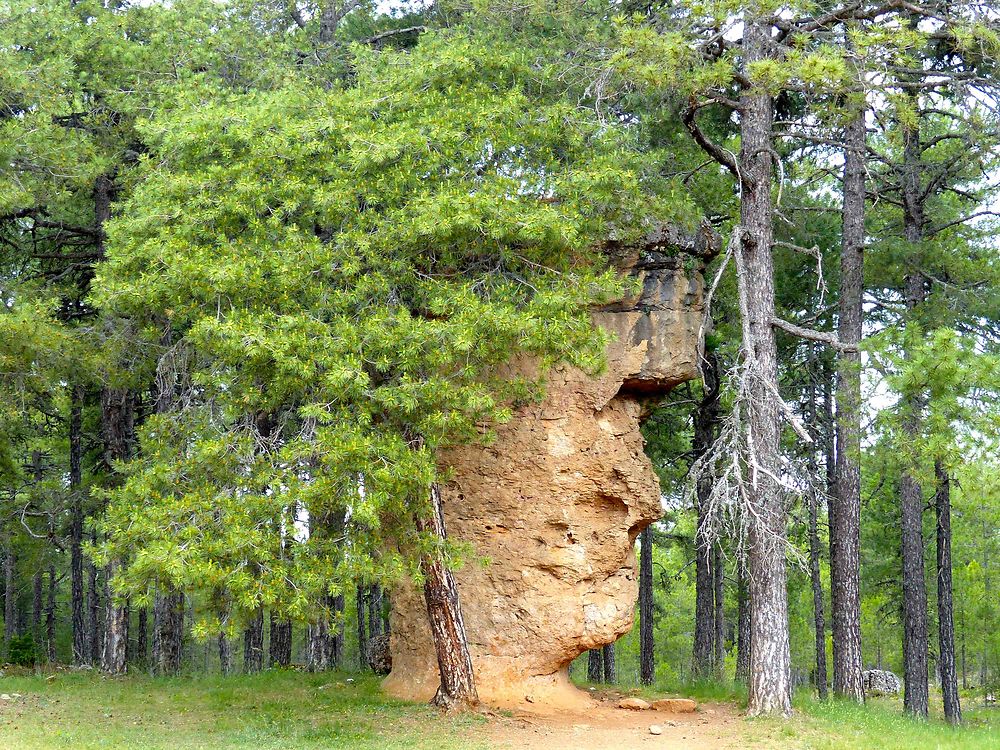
(299, 711)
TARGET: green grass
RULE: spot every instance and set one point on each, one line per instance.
(264, 712)
(879, 725)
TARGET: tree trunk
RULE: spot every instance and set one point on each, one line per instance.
(915, 695)
(610, 666)
(946, 623)
(77, 603)
(706, 418)
(770, 656)
(37, 587)
(845, 503)
(10, 593)
(444, 612)
(817, 589)
(374, 610)
(118, 428)
(225, 655)
(50, 616)
(742, 627)
(253, 644)
(168, 632)
(115, 630)
(595, 665)
(336, 649)
(142, 639)
(318, 646)
(93, 617)
(280, 644)
(647, 658)
(718, 575)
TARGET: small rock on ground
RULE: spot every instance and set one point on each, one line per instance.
(656, 729)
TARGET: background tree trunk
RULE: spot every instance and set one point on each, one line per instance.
(845, 503)
(77, 604)
(719, 578)
(610, 665)
(280, 642)
(362, 611)
(50, 616)
(647, 657)
(142, 638)
(168, 632)
(742, 626)
(225, 655)
(253, 644)
(946, 620)
(595, 665)
(817, 588)
(336, 650)
(94, 640)
(10, 593)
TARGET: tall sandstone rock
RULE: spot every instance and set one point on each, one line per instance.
(554, 505)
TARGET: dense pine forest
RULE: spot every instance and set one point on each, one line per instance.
(263, 263)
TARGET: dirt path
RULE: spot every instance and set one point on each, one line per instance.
(606, 727)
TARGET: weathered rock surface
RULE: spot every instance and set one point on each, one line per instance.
(633, 704)
(674, 705)
(556, 502)
(880, 682)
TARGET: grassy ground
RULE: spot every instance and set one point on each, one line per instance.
(269, 711)
(292, 710)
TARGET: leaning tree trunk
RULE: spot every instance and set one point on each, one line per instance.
(595, 665)
(845, 504)
(253, 644)
(647, 658)
(946, 619)
(444, 613)
(608, 656)
(915, 695)
(770, 655)
(77, 601)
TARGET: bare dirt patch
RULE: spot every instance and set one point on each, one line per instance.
(604, 726)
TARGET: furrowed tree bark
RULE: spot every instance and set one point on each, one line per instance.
(77, 603)
(225, 655)
(253, 644)
(374, 610)
(819, 620)
(915, 694)
(608, 656)
(93, 609)
(845, 503)
(444, 613)
(168, 632)
(647, 657)
(280, 642)
(142, 638)
(595, 665)
(770, 657)
(706, 418)
(946, 616)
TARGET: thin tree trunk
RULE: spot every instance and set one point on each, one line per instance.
(718, 575)
(253, 644)
(946, 624)
(362, 611)
(336, 649)
(374, 610)
(742, 626)
(37, 587)
(225, 655)
(770, 655)
(647, 657)
(817, 588)
(610, 665)
(595, 665)
(845, 503)
(10, 593)
(93, 617)
(706, 418)
(50, 615)
(77, 603)
(444, 612)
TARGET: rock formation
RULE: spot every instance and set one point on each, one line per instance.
(554, 505)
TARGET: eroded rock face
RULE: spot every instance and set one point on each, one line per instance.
(555, 504)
